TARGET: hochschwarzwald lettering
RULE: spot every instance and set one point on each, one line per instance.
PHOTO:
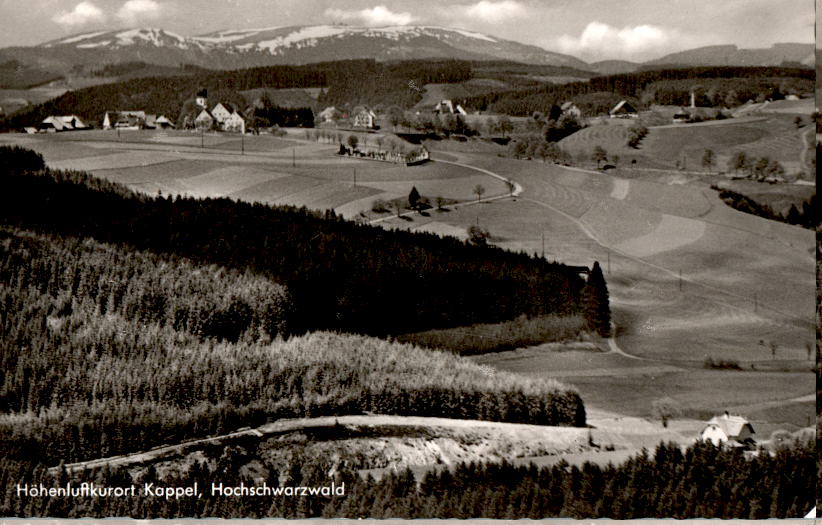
(265, 490)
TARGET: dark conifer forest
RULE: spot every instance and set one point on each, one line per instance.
(698, 482)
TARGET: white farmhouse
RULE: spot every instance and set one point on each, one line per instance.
(234, 122)
(220, 113)
(728, 430)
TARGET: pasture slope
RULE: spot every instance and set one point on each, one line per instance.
(682, 146)
(689, 278)
(254, 168)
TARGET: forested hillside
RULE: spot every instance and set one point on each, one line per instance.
(720, 82)
(699, 482)
(349, 81)
(110, 350)
(341, 275)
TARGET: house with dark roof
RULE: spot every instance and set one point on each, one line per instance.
(728, 430)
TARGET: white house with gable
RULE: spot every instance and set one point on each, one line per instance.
(728, 430)
(220, 113)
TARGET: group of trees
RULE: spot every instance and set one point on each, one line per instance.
(807, 216)
(756, 169)
(699, 482)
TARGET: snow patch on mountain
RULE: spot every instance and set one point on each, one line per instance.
(310, 33)
(78, 38)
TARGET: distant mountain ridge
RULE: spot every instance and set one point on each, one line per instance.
(242, 48)
(233, 49)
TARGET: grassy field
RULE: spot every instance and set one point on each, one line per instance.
(773, 135)
(644, 232)
(271, 170)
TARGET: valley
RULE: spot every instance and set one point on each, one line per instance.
(563, 268)
(689, 277)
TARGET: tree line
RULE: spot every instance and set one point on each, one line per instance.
(701, 481)
(341, 275)
(632, 86)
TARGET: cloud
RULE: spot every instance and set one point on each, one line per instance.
(603, 40)
(83, 13)
(376, 16)
(493, 12)
(135, 10)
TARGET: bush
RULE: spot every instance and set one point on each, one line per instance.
(379, 206)
(720, 364)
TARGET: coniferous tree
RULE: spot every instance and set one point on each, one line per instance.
(414, 198)
(595, 302)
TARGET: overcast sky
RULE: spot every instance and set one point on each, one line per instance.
(589, 29)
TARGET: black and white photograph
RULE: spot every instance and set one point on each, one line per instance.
(393, 260)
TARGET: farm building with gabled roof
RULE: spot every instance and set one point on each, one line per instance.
(62, 123)
(728, 430)
(124, 119)
(624, 109)
(363, 117)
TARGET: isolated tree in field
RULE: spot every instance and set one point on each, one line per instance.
(738, 162)
(797, 121)
(665, 409)
(595, 303)
(397, 205)
(414, 198)
(353, 141)
(440, 200)
(615, 160)
(708, 159)
(479, 190)
(504, 125)
(599, 155)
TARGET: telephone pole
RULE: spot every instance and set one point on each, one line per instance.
(543, 245)
(293, 158)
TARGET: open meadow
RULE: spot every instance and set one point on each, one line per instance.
(689, 277)
(252, 168)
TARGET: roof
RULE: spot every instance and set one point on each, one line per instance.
(203, 114)
(567, 105)
(732, 426)
(623, 105)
